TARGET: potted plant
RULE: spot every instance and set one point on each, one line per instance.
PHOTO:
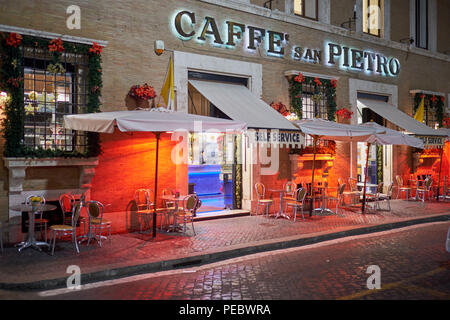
(142, 94)
(344, 115)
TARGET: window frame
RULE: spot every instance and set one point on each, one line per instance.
(304, 11)
(417, 25)
(381, 6)
(33, 59)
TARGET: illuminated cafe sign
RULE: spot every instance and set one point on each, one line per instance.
(186, 26)
(432, 141)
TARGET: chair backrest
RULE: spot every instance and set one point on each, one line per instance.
(76, 210)
(340, 181)
(190, 203)
(352, 182)
(142, 198)
(300, 194)
(341, 189)
(95, 209)
(399, 180)
(260, 190)
(66, 201)
(390, 188)
(289, 187)
(428, 183)
(380, 187)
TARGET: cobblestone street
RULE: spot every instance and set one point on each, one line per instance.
(413, 263)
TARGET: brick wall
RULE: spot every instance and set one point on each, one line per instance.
(126, 164)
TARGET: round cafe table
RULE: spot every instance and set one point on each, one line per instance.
(280, 213)
(31, 239)
(176, 200)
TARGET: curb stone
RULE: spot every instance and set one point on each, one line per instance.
(121, 272)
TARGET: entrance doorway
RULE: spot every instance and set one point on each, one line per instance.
(210, 170)
(380, 157)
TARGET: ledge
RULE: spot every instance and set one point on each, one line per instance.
(310, 157)
(49, 162)
(290, 73)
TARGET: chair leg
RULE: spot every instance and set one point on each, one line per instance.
(295, 213)
(74, 239)
(192, 222)
(1, 239)
(54, 242)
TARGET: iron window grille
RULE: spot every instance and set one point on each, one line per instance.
(314, 105)
(48, 96)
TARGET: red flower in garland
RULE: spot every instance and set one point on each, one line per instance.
(13, 40)
(56, 45)
(442, 99)
(15, 82)
(446, 122)
(333, 83)
(422, 96)
(281, 108)
(300, 78)
(96, 49)
(317, 81)
(433, 98)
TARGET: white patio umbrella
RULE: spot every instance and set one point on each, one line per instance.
(156, 120)
(328, 130)
(388, 137)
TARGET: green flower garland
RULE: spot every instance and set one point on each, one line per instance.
(11, 81)
(437, 105)
(296, 91)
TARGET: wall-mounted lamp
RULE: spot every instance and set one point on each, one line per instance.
(407, 40)
(159, 47)
(350, 20)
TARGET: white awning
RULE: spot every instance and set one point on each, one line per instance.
(155, 120)
(430, 137)
(391, 136)
(329, 130)
(239, 103)
(399, 118)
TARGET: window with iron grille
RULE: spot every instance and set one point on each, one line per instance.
(52, 90)
(430, 115)
(314, 105)
(373, 16)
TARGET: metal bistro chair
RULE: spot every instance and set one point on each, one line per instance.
(339, 199)
(299, 201)
(387, 196)
(354, 193)
(445, 192)
(260, 198)
(401, 187)
(375, 196)
(426, 189)
(65, 230)
(170, 207)
(289, 190)
(39, 221)
(95, 210)
(143, 203)
(190, 205)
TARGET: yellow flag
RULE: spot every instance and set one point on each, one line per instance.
(167, 91)
(420, 111)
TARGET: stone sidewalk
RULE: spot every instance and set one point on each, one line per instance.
(134, 253)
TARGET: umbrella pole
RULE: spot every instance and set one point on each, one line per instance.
(365, 178)
(440, 169)
(156, 183)
(315, 138)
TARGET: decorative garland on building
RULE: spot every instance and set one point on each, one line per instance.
(296, 91)
(434, 102)
(11, 81)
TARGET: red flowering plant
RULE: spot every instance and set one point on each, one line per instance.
(333, 83)
(13, 40)
(317, 81)
(300, 78)
(344, 113)
(281, 108)
(446, 122)
(96, 49)
(143, 92)
(56, 45)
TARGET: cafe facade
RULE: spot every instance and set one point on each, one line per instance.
(233, 59)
